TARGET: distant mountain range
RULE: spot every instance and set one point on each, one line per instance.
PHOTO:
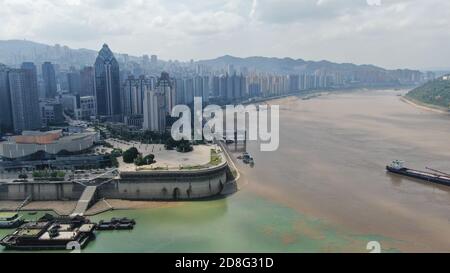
(284, 64)
(14, 52)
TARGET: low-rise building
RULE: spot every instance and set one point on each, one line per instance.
(38, 145)
(86, 108)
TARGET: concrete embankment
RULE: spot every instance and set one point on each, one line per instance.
(142, 185)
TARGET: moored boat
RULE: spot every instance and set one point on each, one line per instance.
(10, 220)
(51, 234)
(117, 224)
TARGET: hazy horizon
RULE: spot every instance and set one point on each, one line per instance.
(387, 33)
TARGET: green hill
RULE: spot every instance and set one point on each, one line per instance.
(435, 92)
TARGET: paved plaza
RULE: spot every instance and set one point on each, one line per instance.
(201, 155)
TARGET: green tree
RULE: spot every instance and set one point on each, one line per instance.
(148, 160)
(130, 155)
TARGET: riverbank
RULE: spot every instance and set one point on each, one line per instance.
(65, 208)
(425, 106)
(324, 92)
(58, 207)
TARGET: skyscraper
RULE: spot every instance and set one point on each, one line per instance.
(166, 87)
(107, 84)
(154, 60)
(24, 98)
(49, 77)
(154, 111)
(74, 82)
(87, 81)
(6, 122)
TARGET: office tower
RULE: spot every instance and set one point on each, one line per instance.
(49, 77)
(107, 84)
(154, 111)
(74, 82)
(6, 121)
(87, 81)
(24, 98)
(154, 60)
(165, 86)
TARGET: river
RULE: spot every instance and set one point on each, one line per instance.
(324, 190)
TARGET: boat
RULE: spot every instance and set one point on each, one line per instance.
(117, 224)
(10, 220)
(51, 233)
(437, 177)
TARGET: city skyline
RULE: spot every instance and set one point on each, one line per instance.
(391, 35)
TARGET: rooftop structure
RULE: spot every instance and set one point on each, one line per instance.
(53, 142)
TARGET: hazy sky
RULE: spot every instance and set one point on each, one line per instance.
(389, 33)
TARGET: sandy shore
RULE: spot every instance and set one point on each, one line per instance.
(425, 106)
(59, 207)
(67, 207)
(116, 204)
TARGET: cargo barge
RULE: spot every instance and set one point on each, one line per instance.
(49, 233)
(438, 177)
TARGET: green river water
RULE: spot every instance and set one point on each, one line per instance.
(241, 223)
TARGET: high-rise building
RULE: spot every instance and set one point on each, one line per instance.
(215, 86)
(154, 60)
(133, 91)
(189, 91)
(87, 81)
(180, 90)
(294, 83)
(6, 121)
(25, 98)
(74, 82)
(49, 77)
(145, 60)
(107, 84)
(154, 111)
(166, 87)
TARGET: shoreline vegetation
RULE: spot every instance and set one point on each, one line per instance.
(425, 106)
(433, 94)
